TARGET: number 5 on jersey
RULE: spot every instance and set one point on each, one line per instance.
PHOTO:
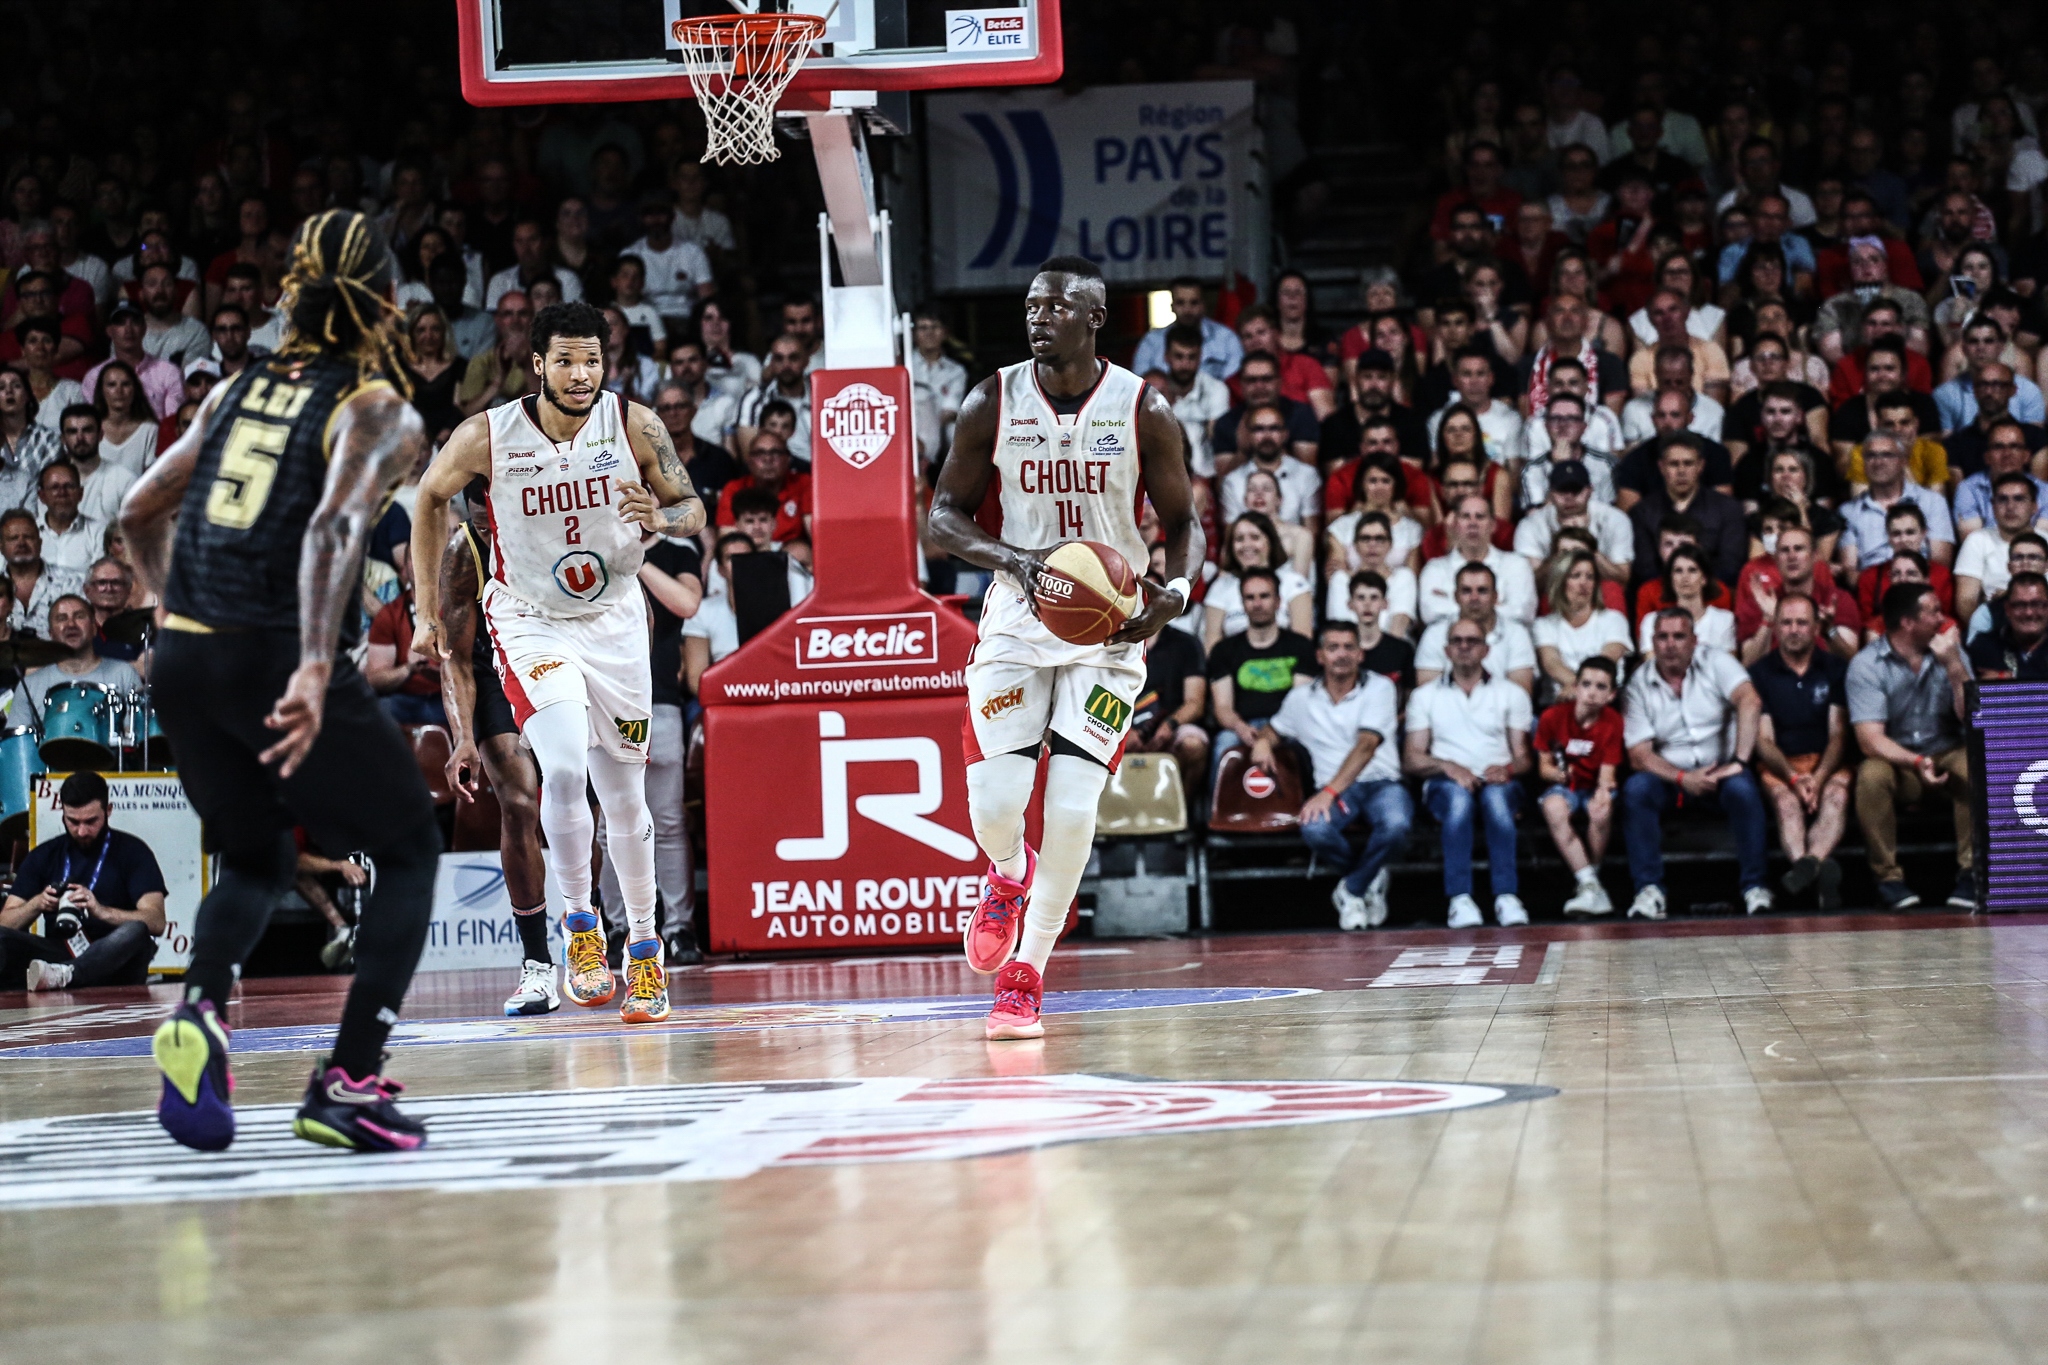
(248, 468)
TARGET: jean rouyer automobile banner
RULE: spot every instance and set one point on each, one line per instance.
(1149, 181)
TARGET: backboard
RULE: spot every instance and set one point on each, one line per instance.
(544, 51)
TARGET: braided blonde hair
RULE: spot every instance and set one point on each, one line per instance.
(337, 297)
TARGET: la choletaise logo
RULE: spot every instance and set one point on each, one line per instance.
(858, 423)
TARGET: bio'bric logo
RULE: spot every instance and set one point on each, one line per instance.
(1041, 154)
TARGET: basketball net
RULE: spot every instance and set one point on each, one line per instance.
(739, 65)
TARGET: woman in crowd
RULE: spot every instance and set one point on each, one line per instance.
(726, 366)
(571, 252)
(433, 371)
(1372, 539)
(1254, 543)
(1686, 584)
(1262, 495)
(1300, 334)
(25, 443)
(1377, 487)
(428, 245)
(128, 426)
(1482, 123)
(1954, 303)
(1507, 327)
(1459, 440)
(1577, 626)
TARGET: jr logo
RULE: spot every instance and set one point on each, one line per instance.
(903, 812)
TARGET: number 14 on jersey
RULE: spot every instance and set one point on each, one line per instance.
(1071, 526)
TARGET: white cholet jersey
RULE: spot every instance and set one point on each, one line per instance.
(1074, 477)
(556, 538)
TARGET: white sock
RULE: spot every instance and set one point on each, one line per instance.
(629, 836)
(998, 790)
(560, 738)
(1588, 875)
(1073, 787)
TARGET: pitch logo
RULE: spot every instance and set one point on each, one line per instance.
(1001, 702)
(718, 1131)
(866, 641)
(1041, 155)
(903, 812)
(542, 669)
(858, 423)
(582, 575)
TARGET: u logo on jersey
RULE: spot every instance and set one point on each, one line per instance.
(582, 575)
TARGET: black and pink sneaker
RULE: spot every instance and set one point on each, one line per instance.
(360, 1115)
(998, 922)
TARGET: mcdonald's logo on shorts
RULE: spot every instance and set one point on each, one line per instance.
(1105, 706)
(632, 731)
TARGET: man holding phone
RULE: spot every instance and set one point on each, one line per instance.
(99, 893)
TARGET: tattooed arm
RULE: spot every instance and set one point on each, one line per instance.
(666, 502)
(467, 455)
(378, 438)
(148, 513)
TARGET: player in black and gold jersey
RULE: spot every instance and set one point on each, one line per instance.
(486, 734)
(272, 493)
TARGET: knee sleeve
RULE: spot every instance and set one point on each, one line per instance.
(560, 737)
(998, 790)
(1073, 789)
(629, 836)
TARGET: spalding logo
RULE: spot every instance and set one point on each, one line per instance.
(1259, 784)
(858, 423)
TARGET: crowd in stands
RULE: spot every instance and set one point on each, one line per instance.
(1685, 468)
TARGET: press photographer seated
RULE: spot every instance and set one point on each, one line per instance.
(99, 894)
(73, 626)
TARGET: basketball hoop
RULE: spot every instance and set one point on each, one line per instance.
(739, 65)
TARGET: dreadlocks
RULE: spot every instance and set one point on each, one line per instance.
(337, 297)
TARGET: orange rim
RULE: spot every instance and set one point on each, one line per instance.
(760, 44)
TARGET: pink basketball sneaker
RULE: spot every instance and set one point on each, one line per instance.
(1019, 992)
(998, 922)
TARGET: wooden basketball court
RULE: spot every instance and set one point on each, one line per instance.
(1793, 1140)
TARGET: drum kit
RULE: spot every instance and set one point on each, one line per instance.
(83, 725)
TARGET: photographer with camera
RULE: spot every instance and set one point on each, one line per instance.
(78, 884)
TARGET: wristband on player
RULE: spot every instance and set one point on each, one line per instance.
(1182, 586)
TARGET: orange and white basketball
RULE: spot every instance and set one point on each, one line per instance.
(1086, 591)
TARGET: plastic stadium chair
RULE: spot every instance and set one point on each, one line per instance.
(1253, 801)
(1144, 798)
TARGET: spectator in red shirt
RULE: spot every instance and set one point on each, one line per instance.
(74, 296)
(1838, 621)
(1905, 527)
(1860, 218)
(252, 217)
(1620, 247)
(408, 686)
(1884, 318)
(1484, 167)
(768, 471)
(1578, 753)
(1302, 379)
(38, 294)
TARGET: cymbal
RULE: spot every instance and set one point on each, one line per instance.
(28, 651)
(129, 627)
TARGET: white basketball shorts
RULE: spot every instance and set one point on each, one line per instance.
(599, 662)
(1024, 684)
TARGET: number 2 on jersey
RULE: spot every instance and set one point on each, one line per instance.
(248, 468)
(1071, 525)
(572, 530)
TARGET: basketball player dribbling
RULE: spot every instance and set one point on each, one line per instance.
(568, 629)
(1072, 444)
(252, 529)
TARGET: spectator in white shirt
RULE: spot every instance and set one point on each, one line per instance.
(1262, 495)
(1578, 627)
(938, 383)
(717, 409)
(694, 221)
(782, 380)
(1509, 648)
(70, 541)
(1690, 723)
(678, 272)
(531, 262)
(102, 485)
(1500, 424)
(1468, 739)
(1372, 543)
(629, 296)
(1222, 352)
(1571, 503)
(713, 632)
(1253, 542)
(1563, 434)
(169, 333)
(1262, 434)
(1198, 397)
(1471, 534)
(1981, 570)
(1348, 720)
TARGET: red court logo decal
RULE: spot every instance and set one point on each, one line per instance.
(858, 423)
(681, 1132)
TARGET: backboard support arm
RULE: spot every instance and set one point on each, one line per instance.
(861, 328)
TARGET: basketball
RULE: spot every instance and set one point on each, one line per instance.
(1086, 591)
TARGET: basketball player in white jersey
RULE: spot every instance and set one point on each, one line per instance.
(568, 625)
(1071, 443)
